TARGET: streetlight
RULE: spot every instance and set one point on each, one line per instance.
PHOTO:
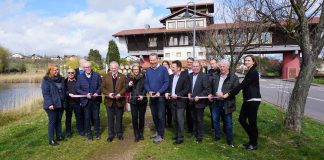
(187, 15)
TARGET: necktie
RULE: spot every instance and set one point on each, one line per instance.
(114, 76)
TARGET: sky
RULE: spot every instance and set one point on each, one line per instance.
(58, 27)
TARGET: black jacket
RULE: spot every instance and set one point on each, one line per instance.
(182, 89)
(201, 89)
(53, 90)
(230, 83)
(250, 85)
(137, 89)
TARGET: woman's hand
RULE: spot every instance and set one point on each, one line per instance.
(51, 107)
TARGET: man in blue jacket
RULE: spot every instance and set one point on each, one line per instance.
(89, 84)
(156, 83)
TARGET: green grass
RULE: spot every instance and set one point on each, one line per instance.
(318, 80)
(26, 138)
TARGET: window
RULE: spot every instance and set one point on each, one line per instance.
(171, 25)
(152, 42)
(178, 54)
(173, 41)
(266, 37)
(190, 24)
(183, 40)
(189, 54)
(200, 54)
(181, 24)
(199, 23)
(167, 55)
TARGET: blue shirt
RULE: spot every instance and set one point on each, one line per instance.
(157, 80)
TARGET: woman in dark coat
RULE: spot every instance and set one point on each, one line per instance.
(138, 101)
(251, 101)
(53, 90)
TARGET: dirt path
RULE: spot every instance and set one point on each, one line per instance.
(127, 148)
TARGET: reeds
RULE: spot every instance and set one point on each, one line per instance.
(28, 108)
(21, 78)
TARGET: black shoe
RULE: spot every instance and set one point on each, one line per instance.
(177, 142)
(59, 138)
(90, 138)
(68, 135)
(120, 137)
(174, 138)
(251, 147)
(199, 140)
(136, 140)
(110, 139)
(216, 139)
(53, 143)
(98, 136)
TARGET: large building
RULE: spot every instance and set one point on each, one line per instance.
(174, 41)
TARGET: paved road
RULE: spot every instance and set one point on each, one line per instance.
(277, 92)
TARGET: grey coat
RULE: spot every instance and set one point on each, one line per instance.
(230, 82)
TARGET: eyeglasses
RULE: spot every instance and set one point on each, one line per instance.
(70, 72)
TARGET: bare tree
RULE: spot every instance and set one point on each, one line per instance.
(296, 18)
(239, 32)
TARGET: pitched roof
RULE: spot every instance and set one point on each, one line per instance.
(183, 10)
(209, 6)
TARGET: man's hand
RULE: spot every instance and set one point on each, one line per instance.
(118, 96)
(196, 98)
(210, 97)
(95, 95)
(174, 96)
(151, 93)
(111, 95)
(89, 96)
(189, 96)
(130, 83)
(140, 98)
(167, 95)
(71, 95)
(220, 94)
(225, 95)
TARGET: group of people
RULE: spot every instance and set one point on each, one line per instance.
(176, 96)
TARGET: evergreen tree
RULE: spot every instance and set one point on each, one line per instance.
(4, 55)
(113, 52)
(94, 56)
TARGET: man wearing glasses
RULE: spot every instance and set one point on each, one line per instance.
(73, 105)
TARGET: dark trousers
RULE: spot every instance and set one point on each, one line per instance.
(168, 114)
(178, 120)
(211, 115)
(218, 112)
(115, 112)
(158, 113)
(189, 117)
(248, 120)
(92, 109)
(54, 123)
(198, 122)
(68, 119)
(138, 118)
(79, 117)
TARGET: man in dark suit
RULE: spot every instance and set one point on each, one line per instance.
(188, 108)
(89, 84)
(114, 85)
(200, 87)
(214, 70)
(178, 87)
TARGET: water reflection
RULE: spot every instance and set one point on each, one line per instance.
(17, 94)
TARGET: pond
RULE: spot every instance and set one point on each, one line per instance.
(14, 95)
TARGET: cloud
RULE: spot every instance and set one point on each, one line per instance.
(76, 32)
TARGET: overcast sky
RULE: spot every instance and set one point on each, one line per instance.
(58, 27)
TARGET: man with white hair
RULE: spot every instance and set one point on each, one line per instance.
(222, 83)
(114, 87)
(89, 84)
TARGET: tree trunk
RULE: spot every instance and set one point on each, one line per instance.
(297, 101)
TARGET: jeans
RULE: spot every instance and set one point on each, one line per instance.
(158, 114)
(54, 123)
(92, 109)
(218, 112)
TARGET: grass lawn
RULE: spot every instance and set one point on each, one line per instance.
(26, 138)
(318, 80)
